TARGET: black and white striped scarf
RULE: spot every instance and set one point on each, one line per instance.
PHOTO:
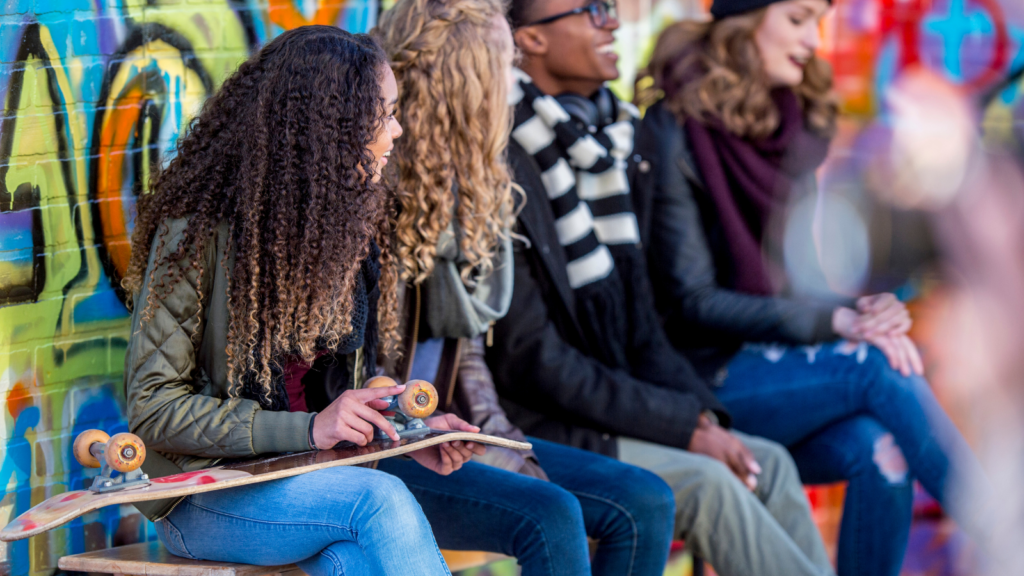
(585, 178)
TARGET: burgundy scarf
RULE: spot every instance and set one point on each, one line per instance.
(749, 180)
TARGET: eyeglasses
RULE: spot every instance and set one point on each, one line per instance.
(601, 11)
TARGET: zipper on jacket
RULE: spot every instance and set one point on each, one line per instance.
(490, 334)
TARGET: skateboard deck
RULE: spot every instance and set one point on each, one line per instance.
(63, 508)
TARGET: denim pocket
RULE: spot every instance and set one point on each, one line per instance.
(170, 537)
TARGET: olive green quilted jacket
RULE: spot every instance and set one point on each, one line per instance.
(176, 383)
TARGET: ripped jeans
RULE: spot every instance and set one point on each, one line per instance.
(845, 414)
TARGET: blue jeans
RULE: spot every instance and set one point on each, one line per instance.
(845, 414)
(545, 525)
(332, 522)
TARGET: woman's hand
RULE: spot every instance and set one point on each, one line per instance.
(882, 314)
(450, 456)
(901, 351)
(351, 415)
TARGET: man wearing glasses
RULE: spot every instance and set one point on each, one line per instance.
(581, 358)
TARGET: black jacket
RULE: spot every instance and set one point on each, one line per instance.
(550, 385)
(688, 261)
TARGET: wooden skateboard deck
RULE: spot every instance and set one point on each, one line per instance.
(63, 508)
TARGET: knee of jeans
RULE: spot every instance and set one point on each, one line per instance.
(557, 505)
(888, 459)
(392, 497)
(644, 493)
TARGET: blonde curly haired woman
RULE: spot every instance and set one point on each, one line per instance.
(453, 60)
(747, 118)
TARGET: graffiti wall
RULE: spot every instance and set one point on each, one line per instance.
(94, 94)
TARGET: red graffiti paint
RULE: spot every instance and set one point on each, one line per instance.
(72, 496)
(18, 399)
(205, 480)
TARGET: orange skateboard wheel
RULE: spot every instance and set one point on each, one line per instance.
(419, 399)
(380, 382)
(125, 452)
(83, 442)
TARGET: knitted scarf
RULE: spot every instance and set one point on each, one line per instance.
(750, 181)
(584, 176)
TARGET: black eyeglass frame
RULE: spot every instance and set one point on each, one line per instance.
(610, 11)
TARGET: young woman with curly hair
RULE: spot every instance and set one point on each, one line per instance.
(453, 60)
(257, 281)
(746, 120)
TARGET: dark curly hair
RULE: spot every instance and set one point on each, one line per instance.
(280, 154)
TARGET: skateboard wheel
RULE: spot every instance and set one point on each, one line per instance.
(380, 382)
(419, 399)
(83, 442)
(125, 452)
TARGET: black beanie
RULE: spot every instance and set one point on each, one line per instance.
(725, 8)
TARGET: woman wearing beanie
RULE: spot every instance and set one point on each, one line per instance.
(746, 119)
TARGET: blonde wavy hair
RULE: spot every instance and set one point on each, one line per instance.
(713, 70)
(453, 106)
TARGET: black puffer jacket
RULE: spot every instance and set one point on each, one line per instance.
(550, 383)
(689, 262)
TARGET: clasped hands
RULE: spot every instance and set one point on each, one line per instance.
(352, 416)
(881, 320)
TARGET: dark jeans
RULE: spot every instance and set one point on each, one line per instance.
(545, 525)
(845, 414)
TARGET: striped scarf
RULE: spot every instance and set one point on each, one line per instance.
(584, 176)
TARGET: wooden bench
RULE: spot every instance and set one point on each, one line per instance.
(152, 559)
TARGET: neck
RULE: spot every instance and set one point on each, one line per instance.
(553, 85)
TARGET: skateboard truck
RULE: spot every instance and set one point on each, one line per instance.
(123, 452)
(407, 410)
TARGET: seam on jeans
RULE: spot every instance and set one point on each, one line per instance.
(338, 568)
(179, 542)
(621, 508)
(272, 523)
(539, 524)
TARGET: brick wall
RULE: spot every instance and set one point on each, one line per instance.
(94, 92)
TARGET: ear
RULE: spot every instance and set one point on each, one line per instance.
(531, 41)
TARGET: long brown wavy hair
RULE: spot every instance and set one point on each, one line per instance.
(280, 154)
(713, 70)
(454, 108)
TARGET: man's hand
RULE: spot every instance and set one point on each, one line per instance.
(712, 440)
(450, 456)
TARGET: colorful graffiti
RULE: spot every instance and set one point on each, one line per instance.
(94, 96)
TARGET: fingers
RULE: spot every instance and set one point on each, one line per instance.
(460, 450)
(885, 345)
(914, 354)
(360, 426)
(883, 321)
(364, 395)
(372, 416)
(875, 303)
(457, 423)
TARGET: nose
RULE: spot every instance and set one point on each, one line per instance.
(812, 39)
(612, 24)
(396, 131)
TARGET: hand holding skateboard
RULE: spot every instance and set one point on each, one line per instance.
(352, 416)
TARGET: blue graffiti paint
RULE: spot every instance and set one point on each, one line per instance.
(18, 463)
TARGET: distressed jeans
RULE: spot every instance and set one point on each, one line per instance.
(845, 414)
(545, 525)
(741, 533)
(333, 522)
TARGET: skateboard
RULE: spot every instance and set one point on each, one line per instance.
(126, 452)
